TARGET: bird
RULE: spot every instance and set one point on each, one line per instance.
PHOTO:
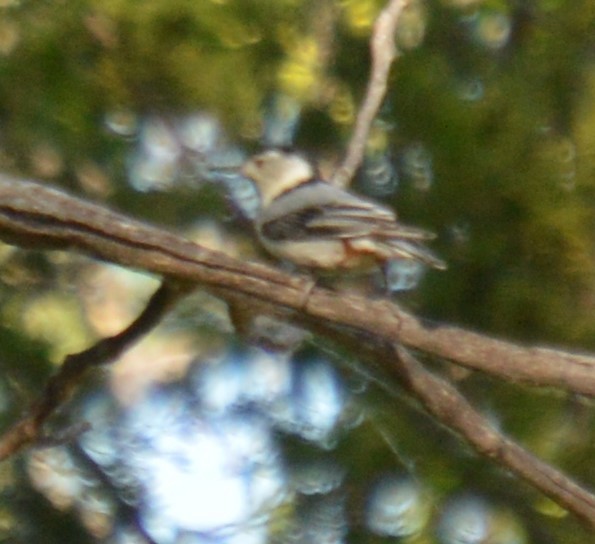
(316, 225)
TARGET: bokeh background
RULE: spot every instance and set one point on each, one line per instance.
(487, 137)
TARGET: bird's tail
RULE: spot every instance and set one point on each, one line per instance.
(404, 249)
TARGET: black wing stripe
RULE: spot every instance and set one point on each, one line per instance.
(294, 226)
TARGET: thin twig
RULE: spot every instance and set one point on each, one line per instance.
(60, 387)
(383, 52)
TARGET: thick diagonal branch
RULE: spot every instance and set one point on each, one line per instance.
(33, 215)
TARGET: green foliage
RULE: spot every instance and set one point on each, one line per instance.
(511, 169)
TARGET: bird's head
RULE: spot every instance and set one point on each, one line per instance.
(276, 171)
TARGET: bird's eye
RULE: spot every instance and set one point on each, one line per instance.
(259, 162)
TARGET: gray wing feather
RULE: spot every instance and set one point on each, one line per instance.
(349, 225)
(321, 210)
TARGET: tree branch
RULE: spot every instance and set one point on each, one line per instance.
(383, 52)
(60, 387)
(530, 365)
(448, 406)
(391, 366)
(34, 215)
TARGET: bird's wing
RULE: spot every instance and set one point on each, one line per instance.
(354, 222)
(298, 225)
(340, 221)
(320, 210)
(375, 233)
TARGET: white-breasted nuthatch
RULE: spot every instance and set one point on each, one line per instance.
(313, 224)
